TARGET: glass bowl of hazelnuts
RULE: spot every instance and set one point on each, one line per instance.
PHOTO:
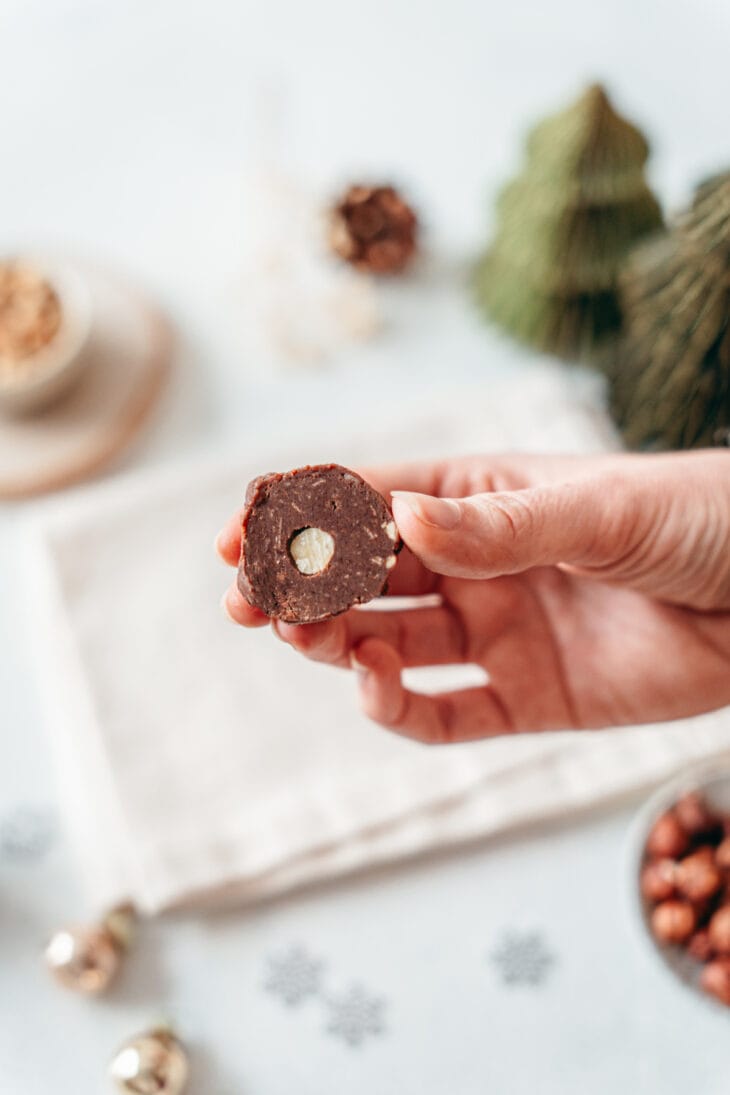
(682, 865)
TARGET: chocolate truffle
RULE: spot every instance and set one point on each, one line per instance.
(314, 542)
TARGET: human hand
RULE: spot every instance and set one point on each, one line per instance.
(594, 591)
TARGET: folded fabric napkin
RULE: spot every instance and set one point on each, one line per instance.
(200, 762)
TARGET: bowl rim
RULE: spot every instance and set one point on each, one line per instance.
(694, 778)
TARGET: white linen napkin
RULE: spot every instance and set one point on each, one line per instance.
(199, 762)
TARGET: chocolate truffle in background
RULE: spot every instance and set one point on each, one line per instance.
(314, 542)
(374, 229)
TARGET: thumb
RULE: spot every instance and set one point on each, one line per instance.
(584, 524)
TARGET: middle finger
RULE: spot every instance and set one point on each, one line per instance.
(432, 635)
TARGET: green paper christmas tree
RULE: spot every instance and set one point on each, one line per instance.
(670, 386)
(565, 226)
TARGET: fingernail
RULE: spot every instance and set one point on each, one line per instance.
(443, 513)
(217, 545)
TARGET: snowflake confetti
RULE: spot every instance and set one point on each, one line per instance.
(294, 976)
(355, 1016)
(26, 834)
(523, 958)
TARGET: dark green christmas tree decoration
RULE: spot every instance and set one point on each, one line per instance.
(670, 387)
(564, 228)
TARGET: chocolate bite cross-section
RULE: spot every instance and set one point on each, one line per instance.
(314, 542)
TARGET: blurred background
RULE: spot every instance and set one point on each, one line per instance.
(184, 149)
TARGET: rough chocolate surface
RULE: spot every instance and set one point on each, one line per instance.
(325, 497)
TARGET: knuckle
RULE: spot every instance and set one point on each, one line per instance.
(513, 513)
(622, 522)
(507, 521)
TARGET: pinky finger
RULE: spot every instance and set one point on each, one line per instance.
(434, 720)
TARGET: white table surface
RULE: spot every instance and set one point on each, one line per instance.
(126, 133)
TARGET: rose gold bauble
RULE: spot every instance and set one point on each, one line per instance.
(83, 959)
(153, 1063)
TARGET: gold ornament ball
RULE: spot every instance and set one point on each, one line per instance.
(83, 959)
(153, 1063)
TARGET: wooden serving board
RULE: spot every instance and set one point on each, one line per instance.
(130, 354)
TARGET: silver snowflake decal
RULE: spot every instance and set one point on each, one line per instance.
(355, 1016)
(523, 958)
(26, 834)
(294, 976)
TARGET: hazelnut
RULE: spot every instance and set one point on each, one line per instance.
(715, 979)
(719, 930)
(673, 921)
(722, 854)
(667, 839)
(312, 549)
(706, 852)
(697, 877)
(700, 946)
(694, 815)
(657, 879)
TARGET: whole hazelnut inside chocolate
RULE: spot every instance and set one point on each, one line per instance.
(667, 839)
(715, 979)
(673, 921)
(719, 930)
(697, 877)
(657, 879)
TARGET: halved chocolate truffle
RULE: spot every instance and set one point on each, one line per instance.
(314, 542)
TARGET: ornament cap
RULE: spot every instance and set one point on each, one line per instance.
(120, 923)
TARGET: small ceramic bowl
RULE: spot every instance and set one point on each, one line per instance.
(712, 780)
(52, 370)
